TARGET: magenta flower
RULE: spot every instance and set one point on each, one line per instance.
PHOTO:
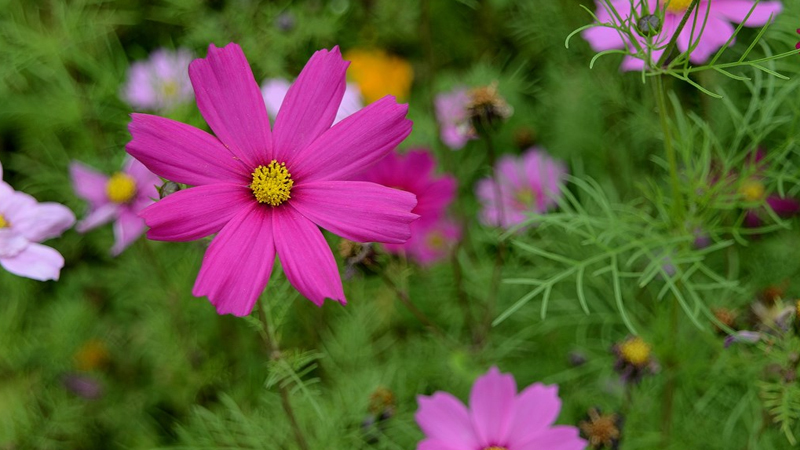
(521, 186)
(497, 418)
(432, 243)
(159, 83)
(265, 191)
(119, 197)
(274, 91)
(752, 190)
(414, 172)
(453, 116)
(717, 16)
(23, 224)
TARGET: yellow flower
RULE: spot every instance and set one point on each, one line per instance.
(378, 74)
(92, 355)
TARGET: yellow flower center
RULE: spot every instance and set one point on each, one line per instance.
(678, 5)
(525, 197)
(494, 447)
(121, 188)
(436, 240)
(272, 184)
(636, 351)
(752, 190)
(170, 89)
(3, 222)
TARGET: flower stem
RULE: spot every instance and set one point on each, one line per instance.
(674, 40)
(677, 197)
(497, 271)
(416, 312)
(271, 343)
(671, 373)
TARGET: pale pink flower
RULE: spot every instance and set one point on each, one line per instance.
(161, 82)
(265, 191)
(119, 197)
(453, 117)
(23, 224)
(521, 187)
(414, 172)
(432, 243)
(497, 418)
(274, 91)
(717, 15)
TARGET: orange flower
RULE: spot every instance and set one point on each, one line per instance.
(378, 74)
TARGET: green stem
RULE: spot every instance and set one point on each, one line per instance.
(671, 373)
(672, 160)
(271, 343)
(671, 45)
(412, 308)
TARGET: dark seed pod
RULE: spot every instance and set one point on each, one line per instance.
(648, 26)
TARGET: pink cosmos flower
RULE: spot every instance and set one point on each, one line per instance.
(161, 82)
(497, 418)
(23, 224)
(274, 91)
(414, 172)
(716, 14)
(752, 189)
(432, 243)
(119, 197)
(453, 117)
(265, 191)
(521, 186)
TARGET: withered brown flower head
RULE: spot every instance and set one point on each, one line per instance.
(486, 108)
(602, 430)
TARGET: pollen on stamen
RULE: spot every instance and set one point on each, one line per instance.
(121, 188)
(272, 184)
(3, 222)
(678, 5)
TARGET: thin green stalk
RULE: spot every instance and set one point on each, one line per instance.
(672, 160)
(271, 343)
(671, 373)
(673, 42)
(412, 308)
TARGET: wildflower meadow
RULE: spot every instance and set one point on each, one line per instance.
(382, 224)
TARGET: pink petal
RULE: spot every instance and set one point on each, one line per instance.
(146, 181)
(736, 11)
(238, 263)
(42, 221)
(11, 243)
(443, 417)
(127, 229)
(182, 153)
(100, 216)
(311, 104)
(432, 203)
(432, 444)
(37, 262)
(306, 257)
(353, 144)
(230, 101)
(537, 408)
(357, 210)
(89, 184)
(560, 437)
(784, 207)
(492, 403)
(709, 39)
(195, 213)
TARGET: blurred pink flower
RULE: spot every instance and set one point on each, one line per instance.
(432, 243)
(23, 224)
(717, 16)
(524, 185)
(267, 191)
(159, 83)
(414, 172)
(752, 189)
(497, 418)
(453, 117)
(274, 91)
(119, 197)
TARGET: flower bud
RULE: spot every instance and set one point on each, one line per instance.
(648, 26)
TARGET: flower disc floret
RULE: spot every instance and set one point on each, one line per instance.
(4, 223)
(272, 184)
(678, 5)
(121, 188)
(636, 351)
(753, 190)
